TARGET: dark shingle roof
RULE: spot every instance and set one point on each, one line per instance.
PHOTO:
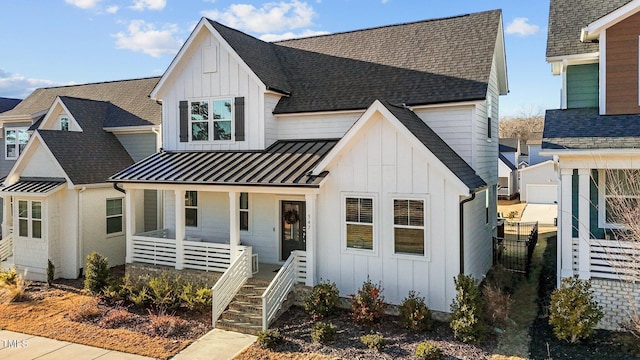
(437, 146)
(506, 161)
(92, 155)
(130, 95)
(7, 104)
(585, 129)
(285, 163)
(425, 62)
(566, 20)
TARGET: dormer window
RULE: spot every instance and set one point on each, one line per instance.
(211, 126)
(64, 123)
(15, 139)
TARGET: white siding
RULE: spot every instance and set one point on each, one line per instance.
(93, 215)
(40, 164)
(485, 151)
(539, 174)
(392, 168)
(453, 125)
(312, 126)
(477, 236)
(270, 123)
(30, 255)
(231, 80)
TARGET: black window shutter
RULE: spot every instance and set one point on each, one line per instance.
(184, 121)
(239, 113)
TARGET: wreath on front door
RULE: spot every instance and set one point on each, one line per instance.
(291, 217)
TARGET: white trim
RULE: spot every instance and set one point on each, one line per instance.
(472, 103)
(319, 113)
(196, 207)
(602, 209)
(17, 130)
(29, 218)
(121, 215)
(425, 198)
(223, 188)
(248, 211)
(602, 86)
(375, 223)
(591, 31)
(563, 88)
(132, 129)
(588, 152)
(19, 165)
(576, 58)
(544, 163)
(211, 120)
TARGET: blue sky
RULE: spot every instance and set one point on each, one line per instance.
(56, 42)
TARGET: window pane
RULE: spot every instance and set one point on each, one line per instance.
(401, 212)
(23, 226)
(200, 110)
(23, 137)
(23, 209)
(244, 220)
(114, 224)
(409, 241)
(622, 182)
(191, 198)
(360, 236)
(36, 210)
(366, 211)
(351, 210)
(191, 217)
(416, 212)
(36, 229)
(199, 131)
(11, 151)
(244, 201)
(10, 137)
(114, 207)
(64, 124)
(222, 109)
(222, 130)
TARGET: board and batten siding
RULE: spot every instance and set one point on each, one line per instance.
(189, 82)
(380, 162)
(622, 67)
(582, 86)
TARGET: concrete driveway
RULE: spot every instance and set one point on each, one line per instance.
(544, 214)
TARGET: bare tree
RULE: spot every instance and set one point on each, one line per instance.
(520, 126)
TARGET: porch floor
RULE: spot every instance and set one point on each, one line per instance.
(6, 264)
(267, 271)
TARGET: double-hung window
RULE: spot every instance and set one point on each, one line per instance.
(244, 211)
(408, 226)
(15, 139)
(211, 120)
(359, 222)
(114, 216)
(30, 219)
(191, 208)
(619, 197)
(64, 123)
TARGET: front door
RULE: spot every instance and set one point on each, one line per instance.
(293, 227)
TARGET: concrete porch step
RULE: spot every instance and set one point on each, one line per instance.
(242, 316)
(241, 327)
(246, 306)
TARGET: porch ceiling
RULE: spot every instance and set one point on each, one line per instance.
(285, 163)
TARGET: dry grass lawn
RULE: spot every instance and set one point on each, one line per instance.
(48, 316)
(256, 353)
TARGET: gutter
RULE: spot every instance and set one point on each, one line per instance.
(473, 196)
(115, 186)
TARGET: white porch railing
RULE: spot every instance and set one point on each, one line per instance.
(154, 248)
(293, 270)
(6, 247)
(230, 283)
(206, 256)
(610, 259)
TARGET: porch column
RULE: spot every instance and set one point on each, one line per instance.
(310, 201)
(7, 216)
(180, 232)
(130, 211)
(584, 248)
(566, 232)
(234, 224)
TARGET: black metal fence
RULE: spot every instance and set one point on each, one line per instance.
(514, 245)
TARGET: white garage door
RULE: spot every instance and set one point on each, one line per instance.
(542, 194)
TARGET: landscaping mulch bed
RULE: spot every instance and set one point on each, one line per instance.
(602, 345)
(296, 327)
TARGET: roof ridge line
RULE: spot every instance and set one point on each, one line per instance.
(100, 82)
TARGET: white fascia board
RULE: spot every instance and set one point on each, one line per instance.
(592, 31)
(222, 188)
(544, 163)
(576, 59)
(319, 113)
(377, 106)
(132, 129)
(473, 103)
(501, 59)
(588, 152)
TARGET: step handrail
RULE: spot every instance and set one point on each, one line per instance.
(226, 288)
(275, 294)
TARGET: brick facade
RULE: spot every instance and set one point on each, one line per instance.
(615, 297)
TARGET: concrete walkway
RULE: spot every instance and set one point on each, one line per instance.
(18, 346)
(216, 345)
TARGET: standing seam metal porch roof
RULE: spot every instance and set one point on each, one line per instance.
(285, 163)
(34, 186)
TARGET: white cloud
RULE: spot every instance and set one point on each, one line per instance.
(271, 17)
(17, 86)
(83, 4)
(521, 26)
(143, 37)
(112, 9)
(149, 4)
(291, 35)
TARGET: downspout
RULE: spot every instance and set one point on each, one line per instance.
(115, 186)
(473, 196)
(79, 231)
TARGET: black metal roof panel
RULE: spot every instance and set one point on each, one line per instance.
(34, 186)
(585, 128)
(285, 163)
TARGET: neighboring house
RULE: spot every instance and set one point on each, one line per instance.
(7, 104)
(593, 46)
(539, 183)
(510, 148)
(534, 145)
(62, 206)
(507, 178)
(368, 153)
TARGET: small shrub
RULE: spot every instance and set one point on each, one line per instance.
(115, 292)
(323, 332)
(373, 341)
(115, 318)
(368, 305)
(573, 312)
(97, 275)
(15, 288)
(269, 339)
(164, 292)
(140, 298)
(8, 277)
(414, 313)
(51, 272)
(166, 325)
(196, 299)
(428, 350)
(85, 310)
(497, 305)
(466, 311)
(323, 300)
